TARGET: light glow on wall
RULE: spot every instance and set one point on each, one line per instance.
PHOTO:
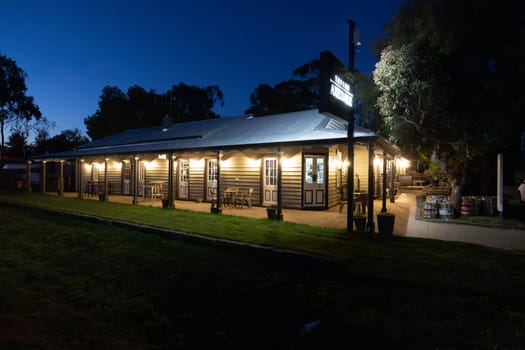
(254, 163)
(402, 164)
(196, 163)
(226, 163)
(377, 161)
(117, 165)
(288, 162)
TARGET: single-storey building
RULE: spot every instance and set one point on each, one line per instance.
(301, 157)
(301, 160)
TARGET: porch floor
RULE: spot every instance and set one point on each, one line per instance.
(323, 218)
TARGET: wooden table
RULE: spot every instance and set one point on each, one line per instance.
(230, 196)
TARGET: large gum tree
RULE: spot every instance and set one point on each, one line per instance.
(15, 105)
(450, 81)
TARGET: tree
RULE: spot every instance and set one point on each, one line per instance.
(302, 93)
(65, 141)
(138, 108)
(292, 95)
(17, 145)
(14, 103)
(450, 84)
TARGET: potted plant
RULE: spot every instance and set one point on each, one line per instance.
(385, 223)
(272, 213)
(165, 202)
(101, 196)
(360, 223)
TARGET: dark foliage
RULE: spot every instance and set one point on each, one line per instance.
(139, 108)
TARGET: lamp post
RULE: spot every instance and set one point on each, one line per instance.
(350, 136)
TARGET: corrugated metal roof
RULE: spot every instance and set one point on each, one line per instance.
(305, 127)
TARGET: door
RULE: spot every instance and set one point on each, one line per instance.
(141, 179)
(314, 186)
(126, 178)
(270, 181)
(184, 178)
(211, 179)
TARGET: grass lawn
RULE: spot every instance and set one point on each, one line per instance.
(66, 283)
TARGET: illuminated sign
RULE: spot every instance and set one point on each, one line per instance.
(341, 90)
(335, 87)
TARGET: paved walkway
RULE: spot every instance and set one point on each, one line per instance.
(406, 224)
(491, 236)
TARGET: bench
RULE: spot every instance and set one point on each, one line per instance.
(437, 190)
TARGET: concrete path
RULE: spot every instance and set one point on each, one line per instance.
(491, 236)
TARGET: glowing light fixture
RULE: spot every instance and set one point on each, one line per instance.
(377, 161)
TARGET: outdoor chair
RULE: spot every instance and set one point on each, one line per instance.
(343, 198)
(245, 199)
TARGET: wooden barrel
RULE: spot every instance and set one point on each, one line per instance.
(429, 210)
(466, 206)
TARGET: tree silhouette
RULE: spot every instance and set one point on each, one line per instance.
(138, 108)
(14, 103)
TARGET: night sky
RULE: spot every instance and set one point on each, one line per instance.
(72, 49)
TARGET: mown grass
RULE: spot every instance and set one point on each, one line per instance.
(265, 232)
(66, 283)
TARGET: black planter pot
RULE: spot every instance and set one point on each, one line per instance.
(272, 214)
(385, 224)
(215, 210)
(360, 223)
(165, 203)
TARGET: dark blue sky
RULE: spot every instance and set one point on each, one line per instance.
(72, 49)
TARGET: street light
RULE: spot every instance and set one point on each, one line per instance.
(350, 133)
